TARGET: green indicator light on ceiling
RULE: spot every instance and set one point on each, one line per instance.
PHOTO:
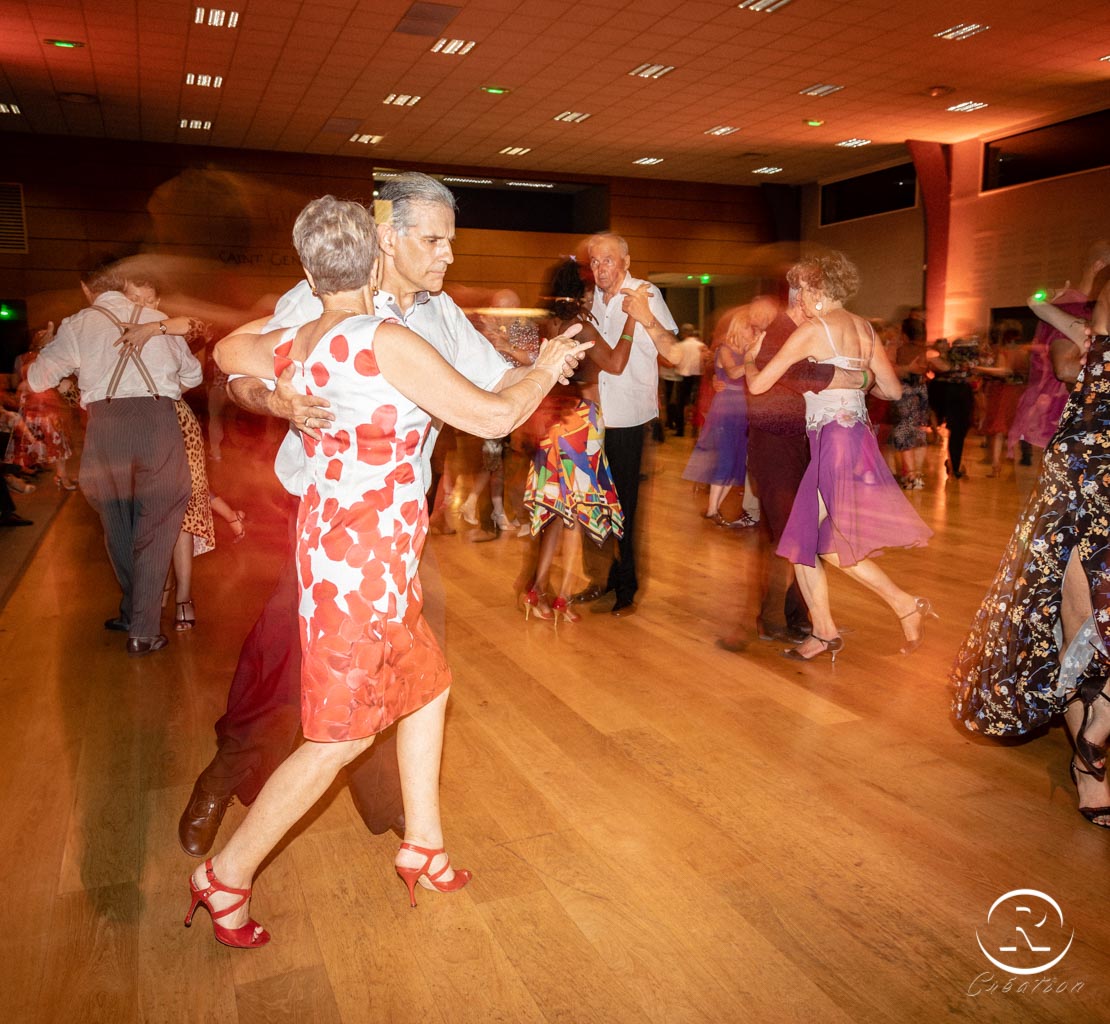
(814, 123)
(705, 278)
(495, 90)
(64, 44)
(689, 277)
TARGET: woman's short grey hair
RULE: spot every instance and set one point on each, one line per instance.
(408, 191)
(337, 243)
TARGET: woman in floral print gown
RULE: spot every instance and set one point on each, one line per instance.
(1008, 675)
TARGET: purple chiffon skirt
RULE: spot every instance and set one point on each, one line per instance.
(867, 510)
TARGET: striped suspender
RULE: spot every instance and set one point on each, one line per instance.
(121, 363)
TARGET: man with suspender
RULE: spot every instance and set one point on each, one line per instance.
(133, 467)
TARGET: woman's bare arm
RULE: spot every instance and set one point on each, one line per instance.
(800, 345)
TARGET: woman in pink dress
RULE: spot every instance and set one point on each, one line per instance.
(369, 658)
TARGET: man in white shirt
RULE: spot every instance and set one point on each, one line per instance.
(260, 726)
(691, 362)
(629, 400)
(133, 466)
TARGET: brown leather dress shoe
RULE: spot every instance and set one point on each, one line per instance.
(591, 593)
(200, 822)
(137, 646)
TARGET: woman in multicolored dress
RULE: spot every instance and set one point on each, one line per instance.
(569, 486)
(1009, 675)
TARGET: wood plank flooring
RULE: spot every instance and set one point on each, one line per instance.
(660, 831)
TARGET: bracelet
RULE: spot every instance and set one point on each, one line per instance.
(863, 386)
(535, 383)
(626, 337)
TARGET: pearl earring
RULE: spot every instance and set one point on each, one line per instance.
(818, 306)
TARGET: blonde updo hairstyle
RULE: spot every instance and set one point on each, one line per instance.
(337, 243)
(833, 275)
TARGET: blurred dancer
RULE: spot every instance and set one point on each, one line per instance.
(133, 467)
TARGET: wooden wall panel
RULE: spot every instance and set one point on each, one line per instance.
(232, 211)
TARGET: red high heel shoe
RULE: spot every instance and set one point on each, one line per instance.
(410, 876)
(561, 607)
(248, 936)
(532, 606)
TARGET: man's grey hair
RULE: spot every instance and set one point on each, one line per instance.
(793, 296)
(610, 236)
(337, 244)
(410, 190)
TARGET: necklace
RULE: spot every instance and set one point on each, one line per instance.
(342, 309)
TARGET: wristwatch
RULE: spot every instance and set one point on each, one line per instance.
(162, 326)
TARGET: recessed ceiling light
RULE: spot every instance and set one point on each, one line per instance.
(767, 170)
(201, 126)
(204, 81)
(722, 129)
(820, 90)
(1107, 57)
(572, 116)
(813, 122)
(469, 181)
(515, 150)
(647, 161)
(652, 70)
(366, 140)
(936, 91)
(9, 108)
(766, 6)
(215, 18)
(459, 46)
(386, 174)
(854, 143)
(530, 184)
(64, 44)
(496, 90)
(401, 99)
(968, 107)
(961, 31)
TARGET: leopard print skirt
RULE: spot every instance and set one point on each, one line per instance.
(198, 513)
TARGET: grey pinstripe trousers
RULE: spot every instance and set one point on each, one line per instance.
(135, 475)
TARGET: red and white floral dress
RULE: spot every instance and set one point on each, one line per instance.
(368, 656)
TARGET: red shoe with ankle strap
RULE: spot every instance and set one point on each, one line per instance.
(560, 607)
(532, 606)
(410, 876)
(248, 936)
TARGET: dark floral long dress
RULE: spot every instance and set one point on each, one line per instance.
(1007, 673)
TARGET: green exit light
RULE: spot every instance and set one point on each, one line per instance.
(1041, 295)
(64, 44)
(7, 313)
(705, 278)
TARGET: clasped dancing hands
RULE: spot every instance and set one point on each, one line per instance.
(561, 355)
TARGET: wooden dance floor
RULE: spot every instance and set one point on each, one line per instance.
(659, 830)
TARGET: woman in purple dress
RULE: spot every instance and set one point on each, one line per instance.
(720, 456)
(849, 507)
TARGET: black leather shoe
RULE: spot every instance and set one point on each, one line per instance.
(798, 634)
(196, 831)
(622, 609)
(137, 646)
(13, 519)
(117, 625)
(591, 593)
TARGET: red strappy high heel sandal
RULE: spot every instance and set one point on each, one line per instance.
(248, 936)
(410, 876)
(532, 606)
(561, 607)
